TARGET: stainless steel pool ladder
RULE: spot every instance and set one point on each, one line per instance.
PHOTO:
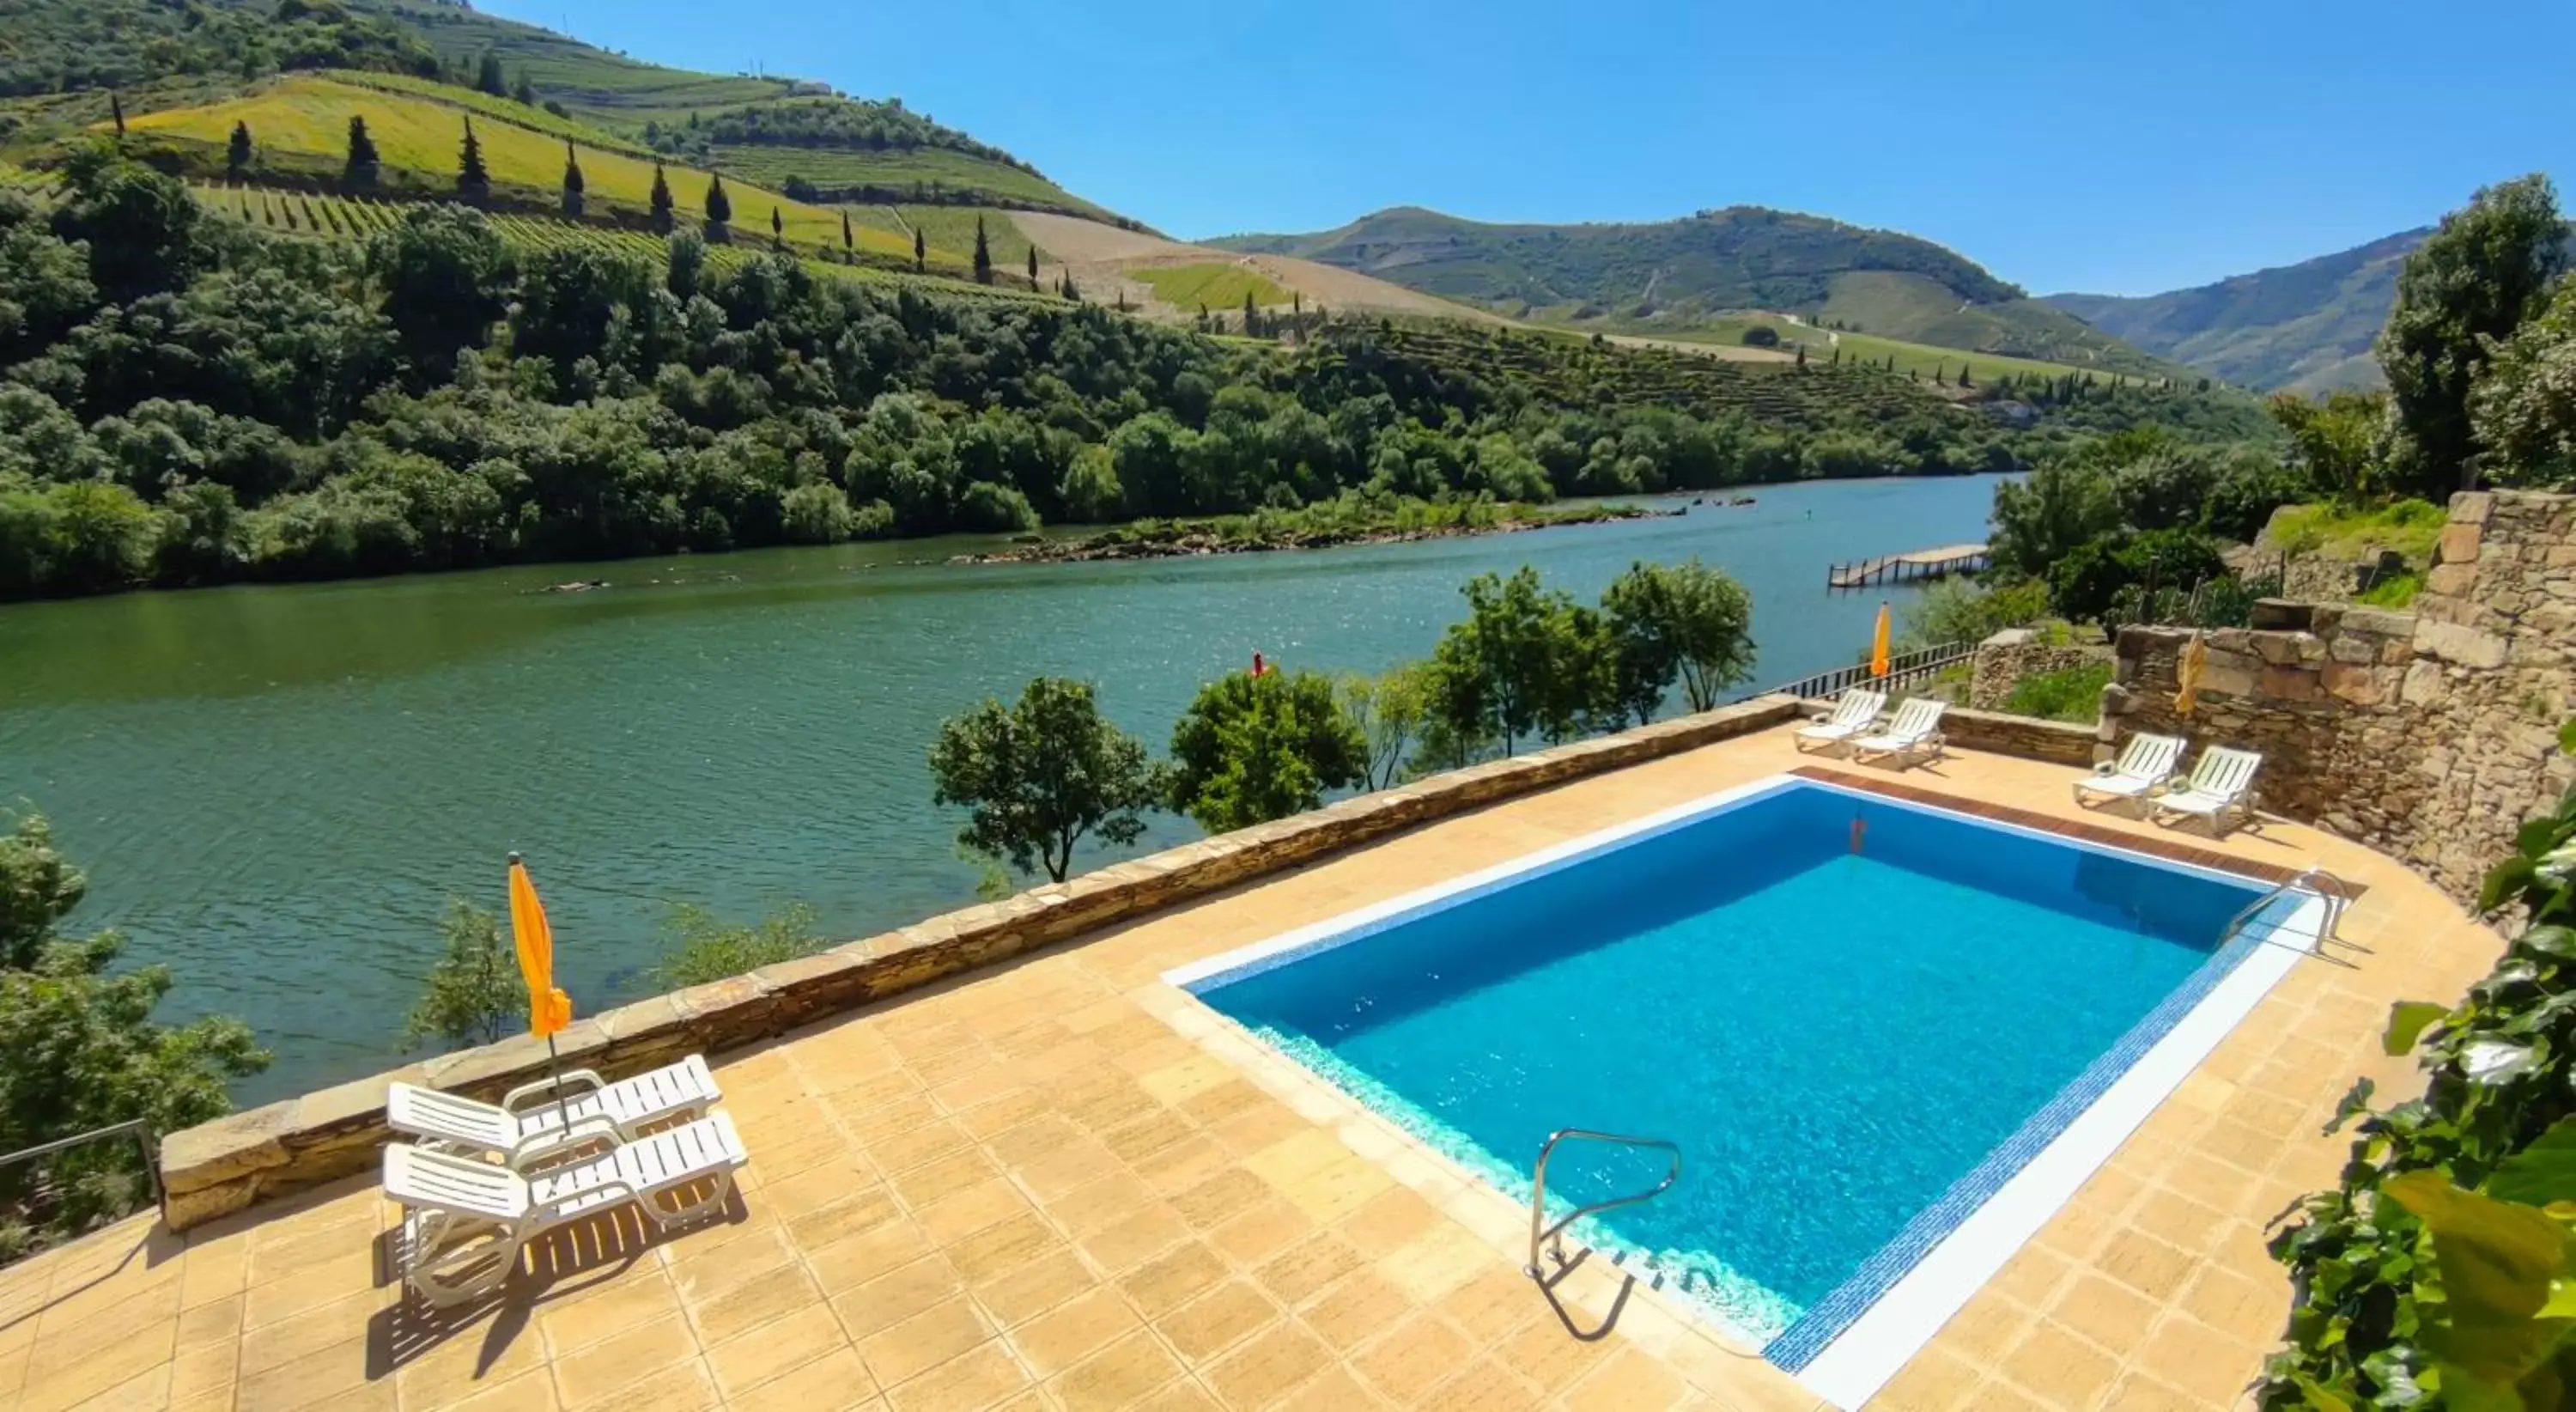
(2310, 882)
(1552, 1237)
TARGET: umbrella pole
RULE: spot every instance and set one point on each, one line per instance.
(554, 1070)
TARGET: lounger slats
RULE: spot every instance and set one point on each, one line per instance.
(685, 1090)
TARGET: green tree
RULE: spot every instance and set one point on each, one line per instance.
(2523, 408)
(849, 243)
(1682, 621)
(574, 188)
(2462, 292)
(237, 152)
(488, 76)
(2041, 520)
(141, 226)
(663, 221)
(474, 994)
(1255, 748)
(1388, 711)
(920, 252)
(1033, 267)
(2337, 439)
(1251, 316)
(360, 171)
(116, 112)
(1959, 610)
(2087, 584)
(777, 228)
(719, 212)
(1527, 661)
(473, 182)
(1038, 776)
(700, 948)
(983, 254)
(445, 276)
(523, 92)
(79, 1049)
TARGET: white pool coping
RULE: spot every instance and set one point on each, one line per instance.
(1861, 1358)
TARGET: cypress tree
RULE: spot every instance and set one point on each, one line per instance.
(662, 221)
(472, 181)
(487, 75)
(574, 187)
(719, 212)
(848, 254)
(1033, 267)
(360, 172)
(116, 110)
(777, 227)
(983, 255)
(1802, 355)
(920, 252)
(1963, 376)
(523, 92)
(237, 152)
(1251, 316)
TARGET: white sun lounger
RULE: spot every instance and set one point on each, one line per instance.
(529, 1124)
(2146, 764)
(2221, 786)
(466, 1221)
(1853, 712)
(1914, 734)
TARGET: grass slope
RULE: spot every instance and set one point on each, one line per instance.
(1217, 287)
(1672, 277)
(300, 127)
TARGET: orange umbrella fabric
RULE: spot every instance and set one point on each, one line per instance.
(549, 1009)
(1878, 645)
(2195, 660)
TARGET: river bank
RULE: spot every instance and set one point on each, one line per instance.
(1253, 534)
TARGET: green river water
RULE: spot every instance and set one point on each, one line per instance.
(276, 790)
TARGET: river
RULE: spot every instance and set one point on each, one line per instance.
(275, 790)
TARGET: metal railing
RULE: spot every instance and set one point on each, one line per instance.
(1903, 669)
(2312, 882)
(1552, 1237)
(141, 1128)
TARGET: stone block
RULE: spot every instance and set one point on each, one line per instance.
(2353, 647)
(2379, 621)
(2458, 544)
(2280, 615)
(2362, 686)
(2289, 684)
(2467, 646)
(228, 1149)
(2231, 680)
(2473, 507)
(2451, 580)
(2280, 648)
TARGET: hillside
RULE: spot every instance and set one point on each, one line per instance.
(2305, 327)
(1167, 278)
(1688, 276)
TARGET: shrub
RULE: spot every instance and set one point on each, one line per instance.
(2086, 585)
(1762, 336)
(1250, 749)
(2074, 694)
(702, 948)
(2394, 591)
(474, 994)
(1960, 610)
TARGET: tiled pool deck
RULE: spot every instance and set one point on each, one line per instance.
(1061, 1184)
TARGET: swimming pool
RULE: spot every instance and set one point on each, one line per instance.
(1859, 1018)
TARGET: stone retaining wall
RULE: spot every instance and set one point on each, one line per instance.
(2431, 734)
(264, 1153)
(2012, 654)
(1996, 733)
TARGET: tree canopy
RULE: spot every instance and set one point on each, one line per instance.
(1038, 776)
(1254, 748)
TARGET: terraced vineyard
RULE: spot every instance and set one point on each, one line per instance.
(335, 217)
(1567, 370)
(1217, 285)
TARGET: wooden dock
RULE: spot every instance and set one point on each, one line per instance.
(1913, 564)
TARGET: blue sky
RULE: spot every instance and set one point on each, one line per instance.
(2069, 145)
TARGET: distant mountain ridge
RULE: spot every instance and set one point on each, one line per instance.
(2305, 327)
(1682, 276)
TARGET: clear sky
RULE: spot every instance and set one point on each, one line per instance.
(2067, 144)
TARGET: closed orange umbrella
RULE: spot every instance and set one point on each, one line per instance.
(2195, 660)
(549, 1009)
(1878, 645)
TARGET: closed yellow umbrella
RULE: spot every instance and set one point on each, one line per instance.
(1878, 644)
(549, 1009)
(2195, 660)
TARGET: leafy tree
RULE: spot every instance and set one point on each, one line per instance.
(1761, 336)
(2086, 585)
(1388, 710)
(1255, 748)
(983, 253)
(719, 209)
(445, 276)
(2337, 439)
(140, 226)
(1036, 777)
(488, 76)
(237, 152)
(1685, 621)
(700, 948)
(777, 228)
(2041, 520)
(474, 994)
(2463, 291)
(2523, 407)
(574, 188)
(79, 1049)
(663, 221)
(523, 92)
(1958, 610)
(473, 182)
(1251, 315)
(920, 252)
(2165, 488)
(362, 167)
(1033, 267)
(1527, 661)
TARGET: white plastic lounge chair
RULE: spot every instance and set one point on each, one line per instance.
(466, 1221)
(1915, 734)
(529, 1124)
(1853, 712)
(2146, 764)
(2221, 786)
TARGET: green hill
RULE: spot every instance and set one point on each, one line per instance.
(1684, 276)
(2305, 327)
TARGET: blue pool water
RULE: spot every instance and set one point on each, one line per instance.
(1835, 1038)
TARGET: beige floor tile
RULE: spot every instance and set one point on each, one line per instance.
(978, 1378)
(1217, 1320)
(1065, 1335)
(1127, 1373)
(1414, 1358)
(589, 1374)
(935, 1335)
(1173, 1279)
(1267, 1367)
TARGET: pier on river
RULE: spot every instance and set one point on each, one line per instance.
(1913, 564)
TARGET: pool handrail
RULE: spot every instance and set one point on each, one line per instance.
(2315, 882)
(1543, 1234)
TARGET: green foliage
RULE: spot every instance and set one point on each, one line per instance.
(2393, 592)
(2087, 585)
(113, 44)
(699, 948)
(445, 276)
(1037, 776)
(2437, 1272)
(1250, 749)
(140, 226)
(983, 254)
(1682, 621)
(473, 179)
(2408, 527)
(79, 1051)
(474, 994)
(363, 166)
(1390, 711)
(1960, 610)
(2463, 292)
(2523, 407)
(2337, 440)
(2072, 694)
(2040, 521)
(1527, 661)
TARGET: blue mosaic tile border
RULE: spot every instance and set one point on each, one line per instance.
(1799, 1344)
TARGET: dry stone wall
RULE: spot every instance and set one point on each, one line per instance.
(2012, 654)
(2430, 734)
